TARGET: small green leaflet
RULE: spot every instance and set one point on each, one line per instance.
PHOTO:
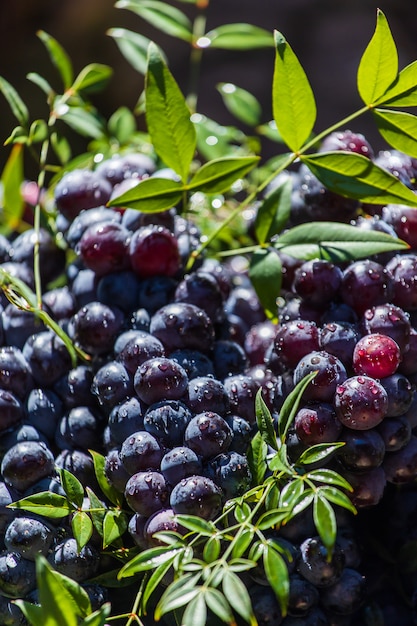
(293, 103)
(399, 129)
(82, 121)
(277, 575)
(290, 406)
(378, 66)
(122, 125)
(149, 559)
(11, 179)
(72, 487)
(114, 525)
(239, 36)
(238, 596)
(273, 212)
(241, 103)
(92, 77)
(324, 520)
(218, 175)
(133, 46)
(82, 528)
(335, 241)
(265, 273)
(171, 130)
(45, 503)
(257, 453)
(356, 176)
(403, 92)
(161, 15)
(59, 58)
(264, 421)
(150, 195)
(318, 452)
(15, 102)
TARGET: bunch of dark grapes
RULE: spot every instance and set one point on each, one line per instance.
(167, 394)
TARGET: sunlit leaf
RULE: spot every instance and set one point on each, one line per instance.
(82, 528)
(12, 179)
(338, 497)
(215, 141)
(378, 66)
(150, 195)
(133, 46)
(326, 475)
(403, 91)
(40, 82)
(318, 452)
(291, 492)
(399, 129)
(265, 421)
(122, 125)
(294, 107)
(290, 406)
(92, 77)
(273, 212)
(335, 241)
(218, 176)
(148, 559)
(271, 518)
(108, 490)
(196, 524)
(161, 15)
(239, 36)
(257, 453)
(82, 121)
(237, 594)
(45, 503)
(59, 57)
(114, 526)
(72, 487)
(325, 521)
(15, 102)
(356, 176)
(168, 117)
(38, 132)
(265, 273)
(242, 542)
(241, 103)
(277, 575)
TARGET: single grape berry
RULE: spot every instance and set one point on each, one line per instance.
(361, 402)
(294, 340)
(316, 564)
(103, 248)
(208, 434)
(81, 189)
(376, 355)
(366, 284)
(330, 372)
(387, 319)
(317, 282)
(147, 492)
(153, 251)
(160, 378)
(196, 495)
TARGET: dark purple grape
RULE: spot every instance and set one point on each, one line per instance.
(79, 428)
(153, 251)
(400, 394)
(180, 325)
(366, 284)
(241, 390)
(317, 282)
(141, 347)
(208, 434)
(61, 303)
(317, 423)
(231, 472)
(95, 327)
(133, 219)
(339, 339)
(140, 451)
(363, 450)
(15, 371)
(160, 378)
(140, 320)
(135, 529)
(294, 340)
(295, 308)
(206, 393)
(26, 463)
(51, 257)
(111, 384)
(125, 419)
(20, 433)
(160, 521)
(87, 218)
(17, 575)
(114, 470)
(331, 373)
(84, 287)
(348, 141)
(318, 566)
(120, 167)
(387, 319)
(229, 358)
(258, 340)
(178, 463)
(401, 466)
(103, 248)
(74, 388)
(17, 325)
(122, 287)
(347, 595)
(202, 289)
(403, 220)
(167, 420)
(194, 362)
(368, 486)
(244, 303)
(265, 606)
(47, 357)
(77, 564)
(80, 189)
(156, 292)
(242, 433)
(29, 537)
(403, 268)
(11, 410)
(303, 595)
(196, 495)
(395, 432)
(361, 402)
(80, 463)
(147, 492)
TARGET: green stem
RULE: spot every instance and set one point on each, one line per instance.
(199, 28)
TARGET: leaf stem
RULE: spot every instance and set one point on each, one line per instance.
(196, 55)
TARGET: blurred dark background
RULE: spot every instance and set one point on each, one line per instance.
(328, 37)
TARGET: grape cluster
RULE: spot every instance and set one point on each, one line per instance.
(175, 361)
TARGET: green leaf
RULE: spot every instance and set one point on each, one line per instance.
(53, 594)
(279, 462)
(265, 273)
(356, 176)
(403, 91)
(72, 487)
(218, 176)
(195, 613)
(325, 475)
(148, 559)
(92, 77)
(61, 148)
(82, 528)
(18, 135)
(241, 103)
(122, 125)
(301, 503)
(237, 594)
(239, 36)
(242, 542)
(82, 121)
(114, 526)
(399, 129)
(325, 521)
(290, 406)
(215, 141)
(171, 601)
(59, 58)
(338, 497)
(272, 518)
(133, 46)
(335, 241)
(15, 102)
(99, 617)
(291, 492)
(294, 106)
(168, 117)
(378, 66)
(33, 613)
(318, 453)
(12, 179)
(97, 511)
(242, 511)
(108, 490)
(265, 421)
(273, 212)
(38, 132)
(211, 550)
(219, 605)
(45, 503)
(197, 524)
(150, 195)
(155, 580)
(277, 575)
(160, 15)
(40, 82)
(257, 453)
